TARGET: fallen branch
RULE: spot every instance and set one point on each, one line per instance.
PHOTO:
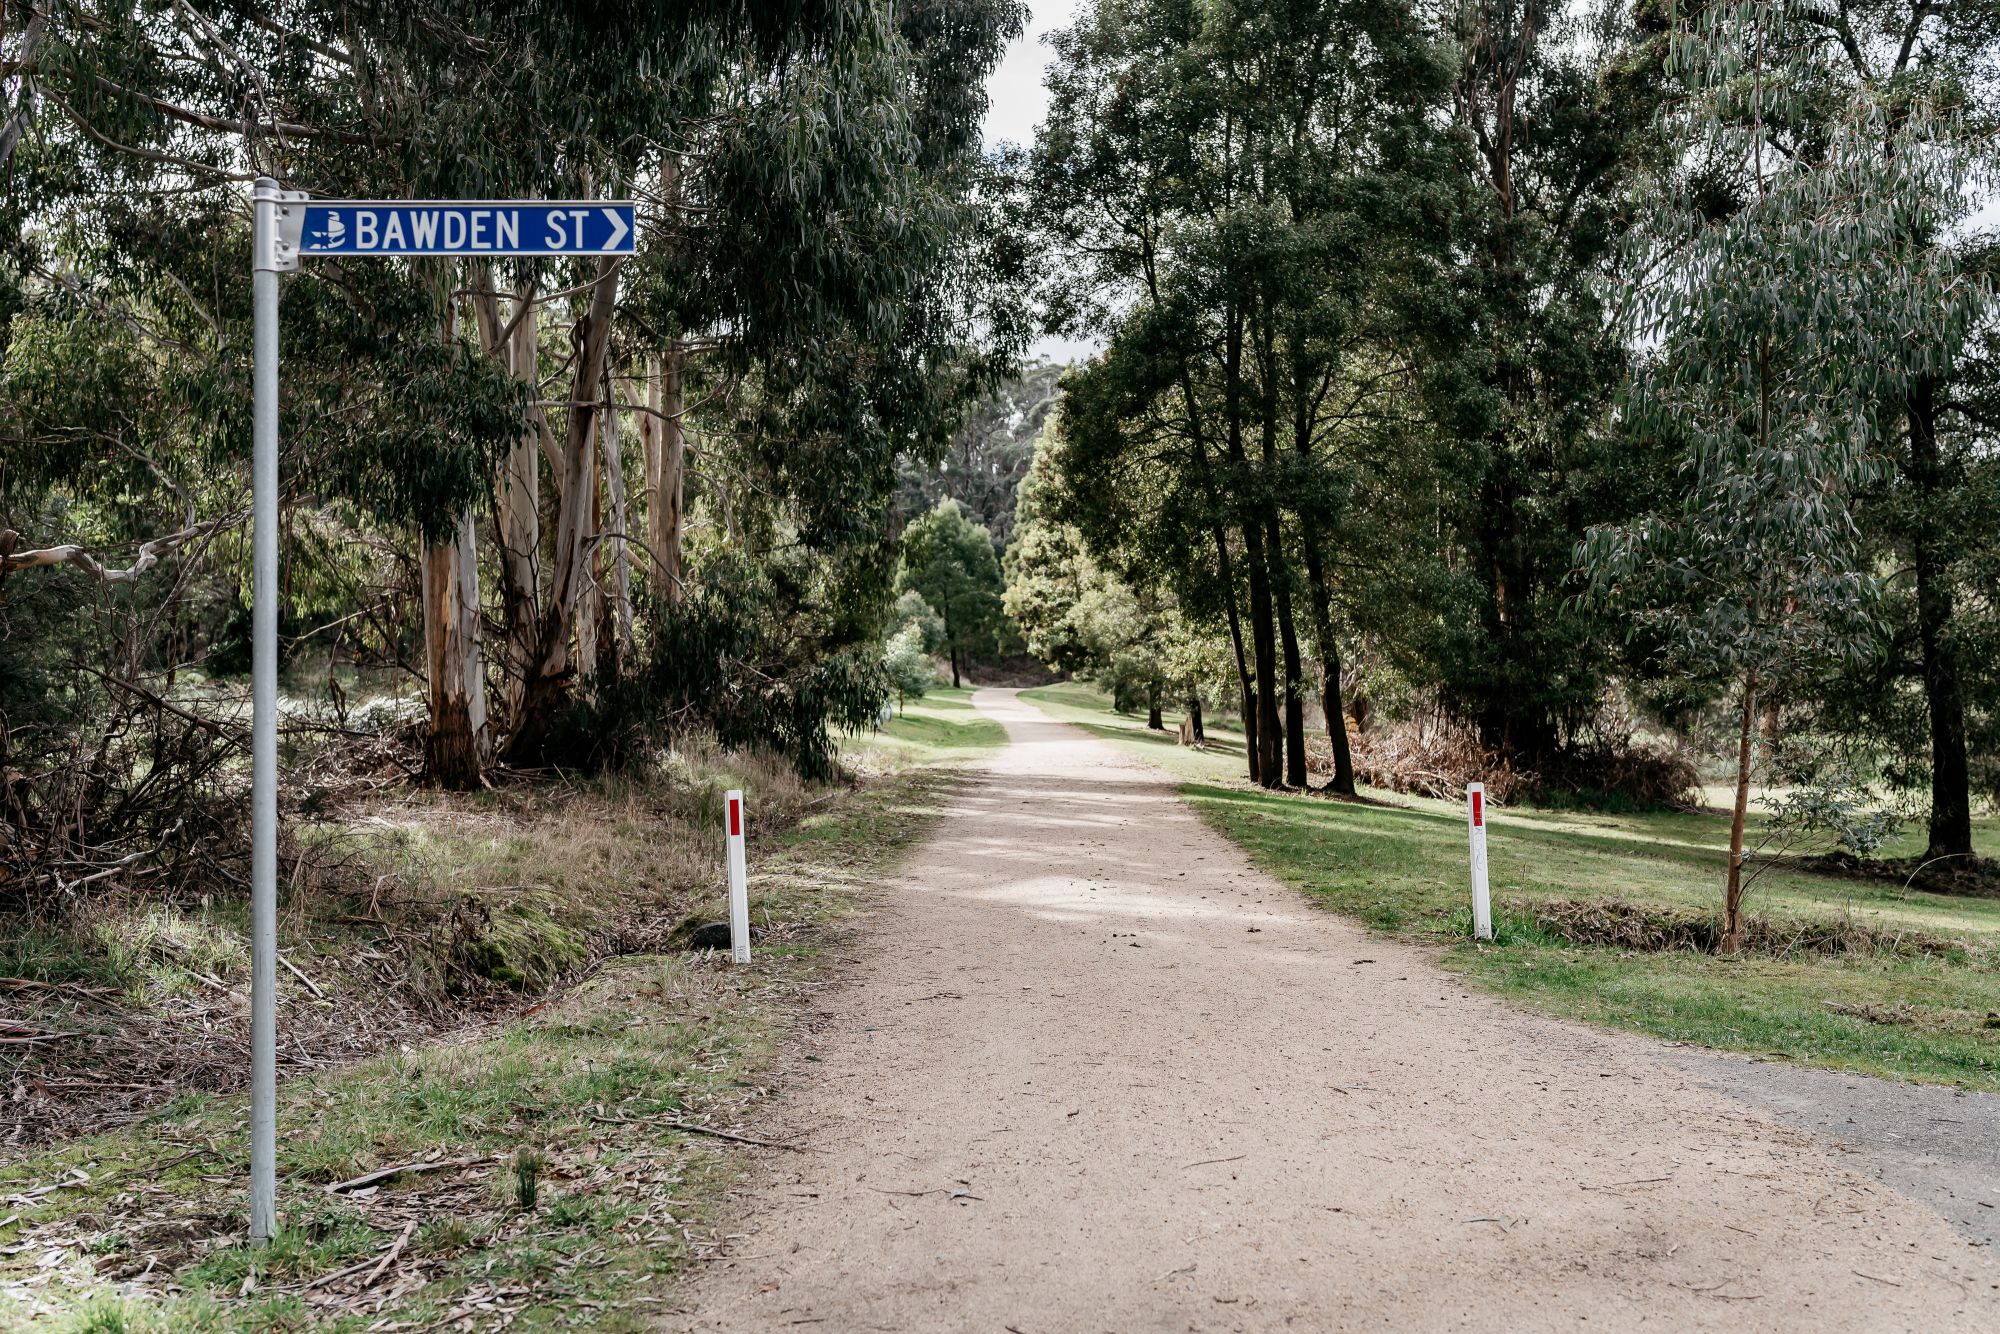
(389, 1256)
(690, 1128)
(293, 969)
(1613, 1185)
(381, 1174)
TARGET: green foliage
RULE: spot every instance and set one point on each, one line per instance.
(949, 560)
(910, 610)
(1079, 618)
(1781, 325)
(528, 1164)
(907, 665)
(750, 656)
(1824, 799)
(988, 457)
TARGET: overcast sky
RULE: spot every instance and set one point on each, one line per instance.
(1018, 98)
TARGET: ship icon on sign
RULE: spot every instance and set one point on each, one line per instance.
(329, 236)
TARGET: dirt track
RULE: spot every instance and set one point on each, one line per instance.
(1093, 1072)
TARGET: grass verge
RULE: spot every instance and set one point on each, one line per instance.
(555, 1164)
(1399, 865)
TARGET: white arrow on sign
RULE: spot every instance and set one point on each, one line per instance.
(618, 228)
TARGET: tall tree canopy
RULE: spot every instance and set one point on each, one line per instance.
(545, 487)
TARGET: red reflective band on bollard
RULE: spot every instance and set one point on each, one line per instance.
(1478, 808)
(735, 818)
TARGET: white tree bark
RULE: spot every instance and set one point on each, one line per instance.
(150, 552)
(615, 530)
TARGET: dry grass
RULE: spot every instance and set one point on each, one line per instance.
(1654, 928)
(405, 912)
(607, 1076)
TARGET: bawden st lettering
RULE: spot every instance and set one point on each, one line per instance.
(422, 229)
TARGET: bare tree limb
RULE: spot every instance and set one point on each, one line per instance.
(78, 555)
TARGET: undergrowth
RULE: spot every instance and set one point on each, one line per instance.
(606, 1085)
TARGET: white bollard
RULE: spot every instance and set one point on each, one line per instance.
(739, 882)
(1482, 902)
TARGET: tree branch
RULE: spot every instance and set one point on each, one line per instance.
(242, 127)
(77, 555)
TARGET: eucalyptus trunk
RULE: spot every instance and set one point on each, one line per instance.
(515, 343)
(549, 669)
(451, 748)
(620, 589)
(454, 677)
(1263, 634)
(666, 497)
(1263, 638)
(1732, 892)
(1295, 672)
(1329, 657)
(1944, 696)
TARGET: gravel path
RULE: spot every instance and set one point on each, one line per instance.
(1094, 1072)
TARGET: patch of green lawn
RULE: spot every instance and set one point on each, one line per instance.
(942, 725)
(1399, 864)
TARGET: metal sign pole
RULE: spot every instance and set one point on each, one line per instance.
(284, 226)
(264, 721)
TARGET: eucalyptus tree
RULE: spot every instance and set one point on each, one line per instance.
(162, 112)
(1550, 109)
(1223, 183)
(810, 224)
(1931, 72)
(1783, 293)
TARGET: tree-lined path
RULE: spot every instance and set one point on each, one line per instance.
(1095, 1072)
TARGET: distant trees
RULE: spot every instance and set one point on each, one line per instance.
(1583, 375)
(1078, 616)
(949, 560)
(1227, 188)
(988, 455)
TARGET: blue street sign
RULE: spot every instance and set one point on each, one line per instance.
(463, 227)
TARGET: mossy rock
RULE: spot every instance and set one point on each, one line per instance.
(522, 946)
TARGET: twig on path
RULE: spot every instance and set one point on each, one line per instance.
(384, 1173)
(389, 1256)
(1614, 1185)
(733, 1137)
(1877, 1278)
(1207, 1162)
(1714, 1291)
(934, 1190)
(293, 969)
(691, 1128)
